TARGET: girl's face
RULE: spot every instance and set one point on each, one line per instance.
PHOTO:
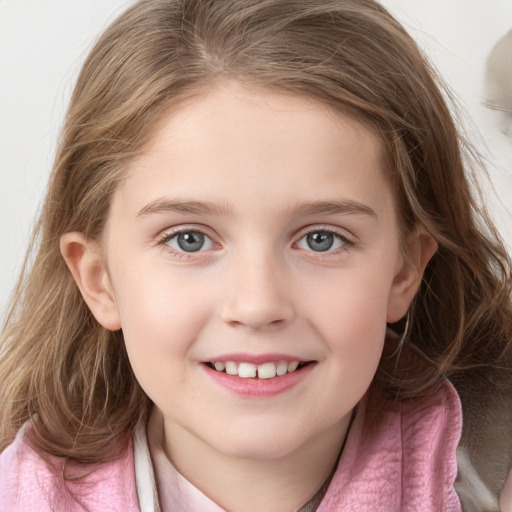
(256, 232)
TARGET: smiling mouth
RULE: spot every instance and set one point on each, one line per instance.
(268, 370)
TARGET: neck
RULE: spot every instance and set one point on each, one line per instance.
(241, 484)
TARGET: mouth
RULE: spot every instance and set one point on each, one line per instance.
(258, 376)
(264, 371)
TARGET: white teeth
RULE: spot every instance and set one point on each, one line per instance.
(282, 368)
(231, 368)
(267, 370)
(246, 370)
(263, 371)
(219, 366)
(292, 366)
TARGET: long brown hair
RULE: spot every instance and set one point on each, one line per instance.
(71, 376)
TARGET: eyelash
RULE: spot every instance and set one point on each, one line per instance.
(346, 242)
(168, 236)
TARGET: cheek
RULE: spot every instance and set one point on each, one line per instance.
(351, 305)
(351, 320)
(155, 300)
(158, 334)
(356, 341)
(160, 322)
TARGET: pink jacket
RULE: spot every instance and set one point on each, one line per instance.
(399, 460)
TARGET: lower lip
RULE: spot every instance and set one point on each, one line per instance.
(252, 387)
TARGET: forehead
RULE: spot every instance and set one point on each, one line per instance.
(239, 145)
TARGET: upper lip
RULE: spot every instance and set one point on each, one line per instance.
(256, 358)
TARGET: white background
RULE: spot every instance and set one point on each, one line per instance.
(43, 42)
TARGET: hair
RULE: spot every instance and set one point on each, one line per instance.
(70, 375)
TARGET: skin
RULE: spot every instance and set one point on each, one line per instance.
(263, 163)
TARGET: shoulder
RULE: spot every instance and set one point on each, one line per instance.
(400, 455)
(29, 482)
(427, 431)
(431, 430)
(431, 420)
(486, 444)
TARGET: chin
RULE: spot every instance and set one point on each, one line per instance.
(249, 451)
(257, 445)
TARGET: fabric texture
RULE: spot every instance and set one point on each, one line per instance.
(28, 483)
(398, 457)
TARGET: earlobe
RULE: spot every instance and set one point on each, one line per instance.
(89, 271)
(422, 246)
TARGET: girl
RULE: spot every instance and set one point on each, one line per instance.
(258, 261)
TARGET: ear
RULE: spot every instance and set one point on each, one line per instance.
(409, 273)
(86, 264)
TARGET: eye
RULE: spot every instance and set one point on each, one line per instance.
(188, 241)
(321, 241)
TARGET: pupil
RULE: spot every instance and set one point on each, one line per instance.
(320, 241)
(191, 241)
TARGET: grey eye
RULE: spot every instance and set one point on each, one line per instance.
(321, 241)
(190, 241)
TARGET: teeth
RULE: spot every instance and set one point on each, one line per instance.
(292, 366)
(282, 368)
(262, 371)
(231, 368)
(246, 370)
(267, 371)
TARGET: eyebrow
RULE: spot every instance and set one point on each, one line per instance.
(343, 207)
(192, 207)
(182, 206)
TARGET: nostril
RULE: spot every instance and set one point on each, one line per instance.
(258, 311)
(258, 325)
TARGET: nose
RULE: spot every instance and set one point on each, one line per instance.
(257, 295)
